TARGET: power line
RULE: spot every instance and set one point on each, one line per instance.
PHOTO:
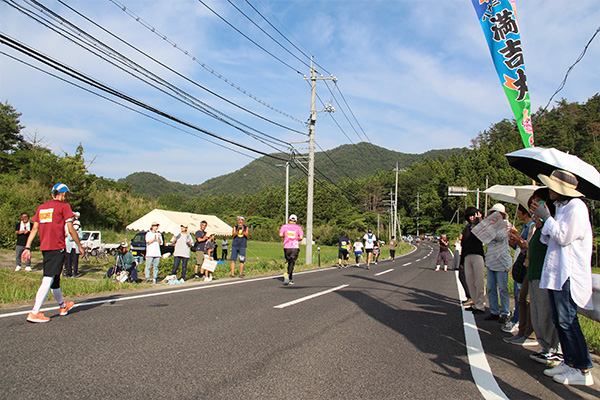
(194, 58)
(282, 35)
(185, 97)
(562, 85)
(49, 61)
(252, 41)
(266, 33)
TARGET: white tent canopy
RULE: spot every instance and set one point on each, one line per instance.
(171, 221)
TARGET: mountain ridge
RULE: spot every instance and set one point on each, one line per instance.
(343, 162)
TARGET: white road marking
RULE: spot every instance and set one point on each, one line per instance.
(384, 272)
(141, 296)
(312, 296)
(480, 368)
(404, 265)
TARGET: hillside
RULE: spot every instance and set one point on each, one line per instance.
(356, 161)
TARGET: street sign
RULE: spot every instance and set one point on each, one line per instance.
(457, 191)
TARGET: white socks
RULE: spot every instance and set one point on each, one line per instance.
(43, 291)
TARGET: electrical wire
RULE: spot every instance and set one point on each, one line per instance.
(266, 33)
(282, 35)
(49, 61)
(194, 58)
(562, 85)
(184, 96)
(252, 41)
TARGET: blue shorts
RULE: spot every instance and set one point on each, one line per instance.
(238, 250)
(358, 253)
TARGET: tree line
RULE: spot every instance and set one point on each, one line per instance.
(352, 205)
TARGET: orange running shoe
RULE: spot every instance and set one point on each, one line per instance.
(64, 310)
(39, 317)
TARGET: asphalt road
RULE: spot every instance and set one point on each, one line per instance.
(395, 331)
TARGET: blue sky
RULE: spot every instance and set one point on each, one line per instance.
(417, 75)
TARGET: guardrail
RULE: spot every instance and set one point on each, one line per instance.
(595, 313)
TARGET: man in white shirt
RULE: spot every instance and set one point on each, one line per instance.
(370, 240)
(567, 273)
(153, 242)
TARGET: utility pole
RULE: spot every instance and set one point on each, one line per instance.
(396, 205)
(418, 195)
(311, 157)
(287, 189)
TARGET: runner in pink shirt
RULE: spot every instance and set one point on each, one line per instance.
(291, 234)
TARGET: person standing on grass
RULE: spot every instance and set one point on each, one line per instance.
(181, 254)
(49, 220)
(291, 234)
(567, 273)
(224, 247)
(210, 251)
(153, 242)
(22, 230)
(239, 245)
(201, 239)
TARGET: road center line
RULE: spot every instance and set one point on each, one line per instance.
(404, 265)
(384, 272)
(312, 296)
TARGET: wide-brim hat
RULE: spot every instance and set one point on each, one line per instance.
(498, 207)
(562, 182)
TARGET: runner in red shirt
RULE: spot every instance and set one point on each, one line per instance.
(50, 219)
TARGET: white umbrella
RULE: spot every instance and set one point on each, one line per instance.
(512, 194)
(538, 160)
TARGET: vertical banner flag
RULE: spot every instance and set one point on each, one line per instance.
(499, 22)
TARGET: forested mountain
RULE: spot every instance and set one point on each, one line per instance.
(344, 162)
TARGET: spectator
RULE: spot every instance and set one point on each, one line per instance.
(524, 329)
(210, 252)
(392, 247)
(443, 254)
(239, 245)
(153, 242)
(358, 246)
(201, 239)
(71, 250)
(49, 220)
(471, 258)
(291, 233)
(566, 273)
(498, 262)
(224, 246)
(461, 271)
(539, 307)
(22, 230)
(370, 240)
(343, 254)
(181, 254)
(125, 263)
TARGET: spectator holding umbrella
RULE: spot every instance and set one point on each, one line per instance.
(567, 272)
